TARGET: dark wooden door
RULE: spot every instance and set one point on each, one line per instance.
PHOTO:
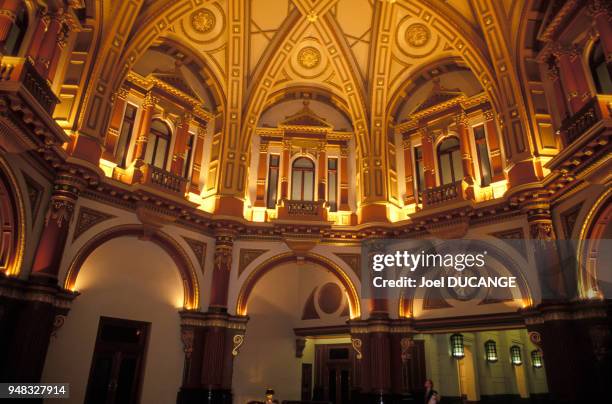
(334, 364)
(118, 361)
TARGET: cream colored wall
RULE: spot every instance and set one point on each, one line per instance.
(497, 378)
(148, 289)
(267, 358)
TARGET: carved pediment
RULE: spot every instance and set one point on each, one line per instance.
(306, 117)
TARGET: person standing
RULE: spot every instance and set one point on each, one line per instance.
(431, 396)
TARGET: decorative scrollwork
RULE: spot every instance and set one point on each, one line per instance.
(357, 344)
(238, 340)
(187, 336)
(406, 344)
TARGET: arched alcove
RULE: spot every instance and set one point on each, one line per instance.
(112, 285)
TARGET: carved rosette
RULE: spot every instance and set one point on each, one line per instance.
(203, 21)
(309, 57)
(417, 35)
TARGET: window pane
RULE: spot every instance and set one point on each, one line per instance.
(160, 153)
(125, 134)
(151, 144)
(457, 167)
(446, 176)
(332, 189)
(308, 185)
(296, 185)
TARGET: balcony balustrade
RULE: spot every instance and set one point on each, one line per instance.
(17, 74)
(302, 210)
(445, 193)
(597, 109)
(163, 180)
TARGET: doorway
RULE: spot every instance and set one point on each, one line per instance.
(335, 364)
(467, 376)
(118, 362)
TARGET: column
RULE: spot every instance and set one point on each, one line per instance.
(572, 76)
(198, 155)
(554, 91)
(466, 151)
(48, 255)
(224, 242)
(211, 342)
(344, 178)
(600, 12)
(262, 167)
(408, 174)
(383, 350)
(49, 44)
(146, 115)
(321, 174)
(43, 21)
(8, 14)
(284, 174)
(497, 165)
(112, 135)
(428, 158)
(547, 258)
(180, 143)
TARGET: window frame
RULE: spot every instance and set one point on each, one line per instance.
(302, 171)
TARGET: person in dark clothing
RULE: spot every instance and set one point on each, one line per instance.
(431, 396)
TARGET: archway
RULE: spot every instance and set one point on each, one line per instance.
(12, 223)
(124, 328)
(257, 273)
(191, 289)
(301, 310)
(594, 277)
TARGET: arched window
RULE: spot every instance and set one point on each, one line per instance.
(449, 161)
(515, 355)
(536, 358)
(302, 179)
(491, 351)
(599, 69)
(14, 38)
(456, 342)
(159, 142)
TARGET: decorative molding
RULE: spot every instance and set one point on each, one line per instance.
(238, 340)
(353, 261)
(356, 343)
(514, 234)
(248, 255)
(199, 250)
(88, 218)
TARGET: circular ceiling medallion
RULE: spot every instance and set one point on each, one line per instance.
(417, 35)
(203, 21)
(330, 298)
(309, 57)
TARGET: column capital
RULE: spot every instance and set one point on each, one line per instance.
(149, 100)
(595, 8)
(461, 119)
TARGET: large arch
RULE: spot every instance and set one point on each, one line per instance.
(12, 222)
(406, 300)
(268, 265)
(589, 245)
(191, 288)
